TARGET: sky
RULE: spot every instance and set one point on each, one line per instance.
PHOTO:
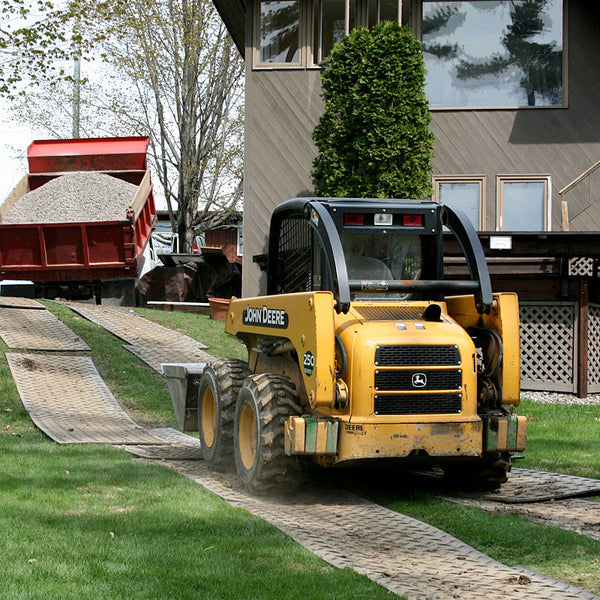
(14, 140)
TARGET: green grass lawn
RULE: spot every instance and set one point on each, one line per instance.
(92, 521)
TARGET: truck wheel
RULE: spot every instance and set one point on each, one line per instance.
(217, 393)
(264, 404)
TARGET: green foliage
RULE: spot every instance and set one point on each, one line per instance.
(373, 137)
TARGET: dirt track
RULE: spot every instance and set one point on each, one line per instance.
(574, 514)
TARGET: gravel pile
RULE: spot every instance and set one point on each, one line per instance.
(560, 398)
(75, 198)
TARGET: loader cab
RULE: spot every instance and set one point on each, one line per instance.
(370, 248)
(388, 241)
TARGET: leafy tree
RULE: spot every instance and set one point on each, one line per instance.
(166, 68)
(373, 137)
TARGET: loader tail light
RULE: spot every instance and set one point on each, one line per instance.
(412, 220)
(354, 219)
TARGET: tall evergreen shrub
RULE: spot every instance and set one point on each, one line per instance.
(373, 137)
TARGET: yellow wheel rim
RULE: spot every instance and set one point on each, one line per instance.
(247, 436)
(208, 416)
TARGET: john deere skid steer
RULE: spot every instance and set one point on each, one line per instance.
(362, 351)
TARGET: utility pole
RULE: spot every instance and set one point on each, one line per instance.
(76, 94)
(76, 76)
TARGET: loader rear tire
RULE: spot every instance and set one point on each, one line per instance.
(488, 473)
(217, 394)
(264, 404)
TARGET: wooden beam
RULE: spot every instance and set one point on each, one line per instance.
(551, 243)
(564, 209)
(582, 339)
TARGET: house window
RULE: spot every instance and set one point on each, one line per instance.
(463, 193)
(278, 31)
(523, 203)
(329, 25)
(381, 10)
(299, 33)
(504, 53)
(334, 19)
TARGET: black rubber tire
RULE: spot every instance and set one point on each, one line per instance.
(488, 473)
(217, 394)
(264, 404)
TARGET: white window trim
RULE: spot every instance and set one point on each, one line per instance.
(480, 179)
(501, 179)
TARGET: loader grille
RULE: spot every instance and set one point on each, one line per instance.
(417, 404)
(414, 356)
(446, 379)
(295, 273)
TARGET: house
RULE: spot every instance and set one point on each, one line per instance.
(513, 88)
(228, 236)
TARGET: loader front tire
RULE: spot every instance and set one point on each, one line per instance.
(264, 404)
(217, 394)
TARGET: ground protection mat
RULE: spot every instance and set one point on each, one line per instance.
(526, 485)
(67, 399)
(152, 343)
(16, 302)
(408, 557)
(37, 330)
(177, 446)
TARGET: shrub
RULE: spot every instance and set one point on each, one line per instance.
(373, 137)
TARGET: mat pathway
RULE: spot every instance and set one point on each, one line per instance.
(404, 555)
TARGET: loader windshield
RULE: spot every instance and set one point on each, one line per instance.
(372, 256)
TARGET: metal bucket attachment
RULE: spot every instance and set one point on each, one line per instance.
(183, 380)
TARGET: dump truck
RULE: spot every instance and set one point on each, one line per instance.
(78, 222)
(362, 351)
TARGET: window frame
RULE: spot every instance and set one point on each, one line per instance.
(546, 179)
(479, 179)
(307, 50)
(416, 21)
(302, 40)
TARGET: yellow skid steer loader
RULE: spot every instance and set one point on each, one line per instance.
(362, 351)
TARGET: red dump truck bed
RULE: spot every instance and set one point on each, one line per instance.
(89, 250)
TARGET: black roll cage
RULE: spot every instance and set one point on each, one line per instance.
(316, 211)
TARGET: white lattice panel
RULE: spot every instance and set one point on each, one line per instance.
(548, 346)
(581, 266)
(593, 377)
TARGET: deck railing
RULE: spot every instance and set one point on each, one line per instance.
(586, 175)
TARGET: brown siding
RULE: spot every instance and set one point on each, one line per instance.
(561, 142)
(281, 110)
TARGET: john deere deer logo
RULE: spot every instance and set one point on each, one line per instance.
(419, 380)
